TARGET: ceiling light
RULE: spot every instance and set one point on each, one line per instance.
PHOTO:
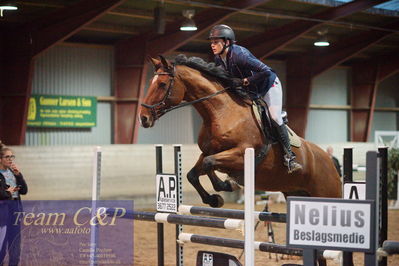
(322, 40)
(188, 24)
(7, 6)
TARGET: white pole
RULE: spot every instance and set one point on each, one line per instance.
(95, 192)
(249, 192)
(95, 196)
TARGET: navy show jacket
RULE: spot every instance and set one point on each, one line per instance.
(241, 63)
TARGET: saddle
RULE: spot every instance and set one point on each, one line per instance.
(260, 110)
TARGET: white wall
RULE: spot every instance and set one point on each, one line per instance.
(332, 88)
(387, 96)
(329, 126)
(128, 172)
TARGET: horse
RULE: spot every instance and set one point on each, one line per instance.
(229, 127)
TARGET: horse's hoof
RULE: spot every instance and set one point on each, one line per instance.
(215, 201)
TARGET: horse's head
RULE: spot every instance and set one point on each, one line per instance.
(164, 92)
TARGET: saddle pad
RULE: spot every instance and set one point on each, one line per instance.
(257, 111)
(294, 139)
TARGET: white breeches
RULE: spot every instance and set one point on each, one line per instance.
(274, 100)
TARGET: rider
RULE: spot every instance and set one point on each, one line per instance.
(249, 72)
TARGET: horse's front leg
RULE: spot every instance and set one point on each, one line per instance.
(193, 177)
(213, 200)
(226, 161)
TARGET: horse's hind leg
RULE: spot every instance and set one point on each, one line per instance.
(193, 177)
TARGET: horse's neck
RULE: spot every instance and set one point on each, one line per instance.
(213, 107)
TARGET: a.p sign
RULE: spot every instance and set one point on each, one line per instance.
(166, 193)
(318, 223)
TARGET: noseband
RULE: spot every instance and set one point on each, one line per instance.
(156, 109)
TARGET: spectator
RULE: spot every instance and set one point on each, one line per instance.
(12, 181)
(4, 196)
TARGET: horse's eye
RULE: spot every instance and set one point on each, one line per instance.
(162, 85)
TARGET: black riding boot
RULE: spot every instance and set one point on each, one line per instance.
(289, 157)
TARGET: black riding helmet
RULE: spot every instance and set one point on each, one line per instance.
(222, 32)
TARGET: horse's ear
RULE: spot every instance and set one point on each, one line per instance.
(154, 61)
(165, 62)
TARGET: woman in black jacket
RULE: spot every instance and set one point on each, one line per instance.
(4, 196)
(12, 186)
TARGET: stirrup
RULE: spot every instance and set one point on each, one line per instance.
(291, 164)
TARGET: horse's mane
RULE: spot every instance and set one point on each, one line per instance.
(209, 69)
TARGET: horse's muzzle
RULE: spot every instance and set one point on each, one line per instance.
(146, 121)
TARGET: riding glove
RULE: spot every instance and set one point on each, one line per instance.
(236, 82)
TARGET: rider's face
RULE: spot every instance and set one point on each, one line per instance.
(217, 46)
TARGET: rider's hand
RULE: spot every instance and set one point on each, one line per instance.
(236, 82)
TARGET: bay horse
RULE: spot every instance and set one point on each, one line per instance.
(229, 127)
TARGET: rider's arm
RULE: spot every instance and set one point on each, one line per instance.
(245, 60)
(261, 71)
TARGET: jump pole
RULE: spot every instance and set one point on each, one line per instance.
(347, 257)
(178, 219)
(239, 244)
(383, 200)
(249, 193)
(376, 189)
(232, 213)
(179, 177)
(95, 196)
(372, 173)
(160, 227)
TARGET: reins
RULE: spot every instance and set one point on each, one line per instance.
(155, 108)
(196, 101)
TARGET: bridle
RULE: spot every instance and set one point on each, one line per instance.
(156, 109)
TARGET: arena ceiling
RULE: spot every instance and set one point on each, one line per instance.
(272, 29)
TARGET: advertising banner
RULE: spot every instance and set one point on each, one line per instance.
(69, 232)
(321, 223)
(62, 111)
